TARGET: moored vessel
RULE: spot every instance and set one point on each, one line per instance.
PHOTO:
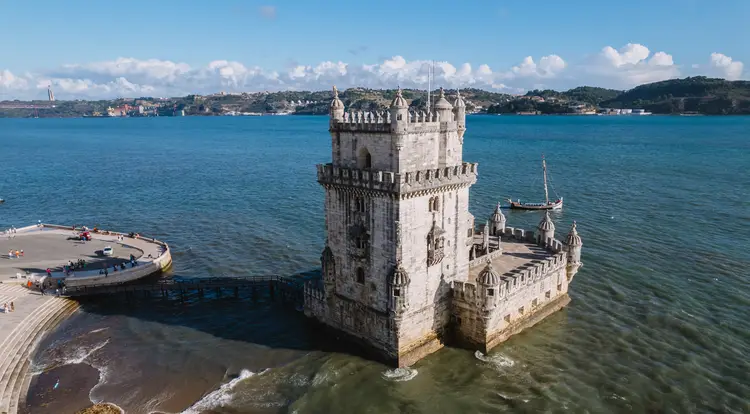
(546, 205)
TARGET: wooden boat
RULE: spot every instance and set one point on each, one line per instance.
(546, 205)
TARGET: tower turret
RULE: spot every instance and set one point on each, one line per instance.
(497, 222)
(545, 229)
(573, 246)
(398, 285)
(459, 108)
(444, 108)
(488, 282)
(337, 107)
(399, 113)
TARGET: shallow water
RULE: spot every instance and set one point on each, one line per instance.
(658, 320)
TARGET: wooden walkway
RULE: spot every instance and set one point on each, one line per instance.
(283, 287)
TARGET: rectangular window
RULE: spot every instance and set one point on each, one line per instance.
(547, 295)
(470, 232)
(490, 292)
(397, 292)
(360, 275)
(534, 303)
(559, 288)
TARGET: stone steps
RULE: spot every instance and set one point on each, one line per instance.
(21, 343)
(11, 345)
(5, 345)
(23, 379)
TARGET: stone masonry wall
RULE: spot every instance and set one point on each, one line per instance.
(519, 299)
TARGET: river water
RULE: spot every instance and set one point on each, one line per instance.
(658, 321)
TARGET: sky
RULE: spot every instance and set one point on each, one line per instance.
(88, 50)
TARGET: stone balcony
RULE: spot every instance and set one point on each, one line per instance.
(407, 184)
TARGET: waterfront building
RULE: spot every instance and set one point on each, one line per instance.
(405, 269)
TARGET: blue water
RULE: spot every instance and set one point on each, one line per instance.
(658, 320)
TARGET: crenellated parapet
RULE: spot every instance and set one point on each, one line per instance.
(403, 185)
(381, 122)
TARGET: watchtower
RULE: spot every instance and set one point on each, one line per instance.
(398, 227)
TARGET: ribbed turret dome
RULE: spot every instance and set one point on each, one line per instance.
(546, 224)
(400, 277)
(336, 102)
(443, 103)
(459, 103)
(497, 216)
(399, 101)
(573, 238)
(488, 276)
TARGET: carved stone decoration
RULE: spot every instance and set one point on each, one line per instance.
(435, 245)
(360, 239)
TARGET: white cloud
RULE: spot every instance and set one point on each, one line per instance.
(631, 65)
(548, 67)
(724, 66)
(622, 68)
(268, 12)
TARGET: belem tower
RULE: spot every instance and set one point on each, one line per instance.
(405, 268)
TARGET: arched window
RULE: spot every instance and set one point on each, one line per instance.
(364, 160)
(360, 276)
(434, 204)
(359, 204)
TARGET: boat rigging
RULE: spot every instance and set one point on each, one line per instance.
(547, 205)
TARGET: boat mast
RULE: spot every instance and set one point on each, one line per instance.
(544, 168)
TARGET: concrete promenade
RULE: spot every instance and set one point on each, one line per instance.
(51, 246)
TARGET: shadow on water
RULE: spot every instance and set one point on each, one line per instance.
(253, 315)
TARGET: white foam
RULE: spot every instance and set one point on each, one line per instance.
(99, 330)
(400, 374)
(221, 396)
(82, 353)
(498, 360)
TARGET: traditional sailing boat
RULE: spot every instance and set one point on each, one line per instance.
(547, 205)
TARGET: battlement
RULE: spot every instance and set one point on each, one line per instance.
(514, 280)
(380, 122)
(400, 183)
(552, 245)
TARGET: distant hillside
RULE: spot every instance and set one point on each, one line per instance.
(583, 94)
(690, 95)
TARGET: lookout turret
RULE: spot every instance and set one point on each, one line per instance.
(399, 113)
(497, 222)
(459, 109)
(573, 246)
(488, 281)
(337, 107)
(545, 229)
(444, 108)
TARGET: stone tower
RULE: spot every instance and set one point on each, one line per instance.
(398, 229)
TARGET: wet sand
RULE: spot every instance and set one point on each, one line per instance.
(71, 396)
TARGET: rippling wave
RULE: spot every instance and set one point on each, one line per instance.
(658, 320)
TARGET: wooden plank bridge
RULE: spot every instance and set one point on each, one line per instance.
(286, 288)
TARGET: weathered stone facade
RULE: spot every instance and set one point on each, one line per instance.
(401, 242)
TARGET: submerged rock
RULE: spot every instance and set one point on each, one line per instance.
(102, 408)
